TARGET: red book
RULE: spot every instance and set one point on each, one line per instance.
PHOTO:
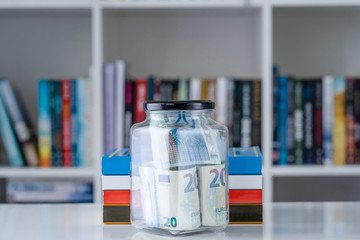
(116, 196)
(245, 196)
(141, 95)
(66, 122)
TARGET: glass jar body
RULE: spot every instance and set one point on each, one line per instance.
(179, 172)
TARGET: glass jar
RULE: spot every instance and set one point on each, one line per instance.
(179, 168)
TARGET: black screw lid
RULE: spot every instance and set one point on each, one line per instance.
(178, 105)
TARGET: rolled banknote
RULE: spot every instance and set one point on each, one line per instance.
(213, 195)
(148, 196)
(178, 199)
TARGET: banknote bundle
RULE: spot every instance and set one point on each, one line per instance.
(183, 184)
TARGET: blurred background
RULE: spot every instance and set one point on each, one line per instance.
(283, 75)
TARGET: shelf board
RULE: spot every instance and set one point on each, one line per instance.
(315, 3)
(180, 4)
(314, 171)
(45, 4)
(36, 172)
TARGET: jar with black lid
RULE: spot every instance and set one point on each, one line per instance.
(179, 168)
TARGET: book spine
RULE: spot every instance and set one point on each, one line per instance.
(328, 118)
(66, 123)
(236, 114)
(308, 121)
(290, 122)
(128, 111)
(55, 110)
(298, 122)
(350, 122)
(183, 90)
(157, 90)
(21, 129)
(245, 126)
(256, 114)
(151, 88)
(222, 100)
(275, 154)
(204, 89)
(80, 100)
(230, 92)
(195, 89)
(109, 106)
(6, 132)
(44, 126)
(4, 160)
(282, 119)
(175, 89)
(357, 119)
(120, 105)
(140, 98)
(74, 104)
(318, 128)
(87, 123)
(339, 130)
(166, 90)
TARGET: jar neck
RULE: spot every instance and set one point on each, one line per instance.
(178, 116)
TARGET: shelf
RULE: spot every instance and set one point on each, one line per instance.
(32, 172)
(315, 3)
(315, 171)
(195, 4)
(43, 4)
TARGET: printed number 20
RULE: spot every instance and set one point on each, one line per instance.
(213, 184)
(170, 222)
(192, 179)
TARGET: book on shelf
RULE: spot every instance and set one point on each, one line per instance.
(64, 122)
(238, 103)
(322, 117)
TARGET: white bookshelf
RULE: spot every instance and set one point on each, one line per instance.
(61, 38)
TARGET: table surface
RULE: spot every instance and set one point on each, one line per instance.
(303, 221)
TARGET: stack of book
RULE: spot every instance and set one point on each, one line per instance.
(316, 121)
(245, 186)
(64, 123)
(238, 103)
(30, 191)
(17, 138)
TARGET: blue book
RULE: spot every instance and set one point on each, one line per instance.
(282, 109)
(80, 123)
(242, 161)
(74, 123)
(245, 161)
(55, 116)
(8, 135)
(116, 162)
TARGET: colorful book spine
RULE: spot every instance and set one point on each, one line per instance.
(328, 118)
(44, 126)
(236, 114)
(195, 89)
(275, 115)
(109, 105)
(21, 129)
(120, 106)
(221, 101)
(357, 119)
(298, 122)
(6, 132)
(151, 88)
(318, 129)
(308, 121)
(175, 89)
(74, 105)
(290, 122)
(157, 84)
(166, 90)
(80, 133)
(66, 123)
(339, 130)
(4, 160)
(256, 114)
(56, 119)
(140, 97)
(246, 118)
(350, 121)
(282, 119)
(128, 111)
(87, 124)
(183, 90)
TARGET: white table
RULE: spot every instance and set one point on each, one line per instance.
(303, 221)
